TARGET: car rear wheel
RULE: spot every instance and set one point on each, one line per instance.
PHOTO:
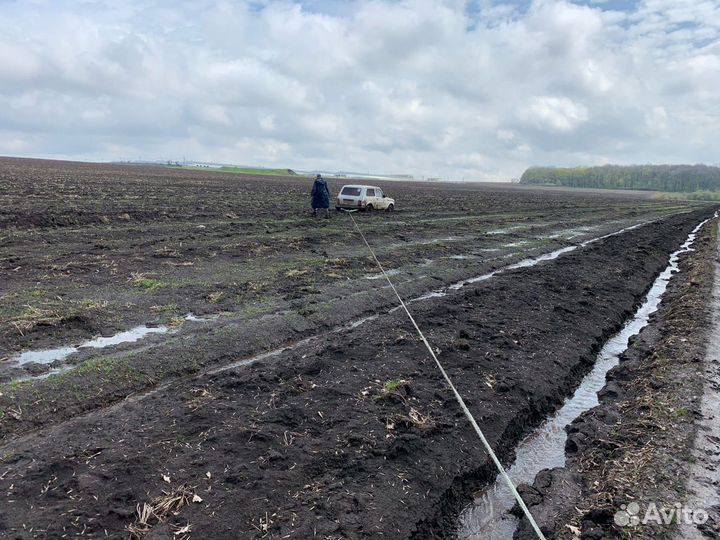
(390, 207)
(369, 208)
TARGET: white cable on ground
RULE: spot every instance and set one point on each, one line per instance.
(459, 398)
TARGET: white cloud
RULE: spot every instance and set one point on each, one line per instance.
(556, 113)
(431, 87)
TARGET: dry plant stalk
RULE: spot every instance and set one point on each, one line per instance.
(157, 511)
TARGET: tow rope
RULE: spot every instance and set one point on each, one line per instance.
(458, 397)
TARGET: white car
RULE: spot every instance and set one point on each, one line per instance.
(365, 198)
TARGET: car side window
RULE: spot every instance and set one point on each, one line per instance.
(370, 193)
(379, 193)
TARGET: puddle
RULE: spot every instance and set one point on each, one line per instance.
(44, 357)
(49, 356)
(426, 296)
(579, 231)
(276, 352)
(504, 231)
(546, 257)
(362, 321)
(130, 336)
(569, 234)
(621, 231)
(392, 272)
(487, 518)
(195, 318)
(524, 263)
(427, 242)
(438, 240)
(262, 356)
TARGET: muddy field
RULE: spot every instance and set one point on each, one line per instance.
(292, 403)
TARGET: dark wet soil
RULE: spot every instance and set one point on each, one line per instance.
(352, 435)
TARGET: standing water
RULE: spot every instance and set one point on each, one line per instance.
(488, 518)
(51, 355)
(48, 356)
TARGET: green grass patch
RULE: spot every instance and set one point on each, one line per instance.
(392, 384)
(16, 385)
(84, 381)
(168, 308)
(150, 284)
(682, 412)
(105, 366)
(12, 387)
(392, 387)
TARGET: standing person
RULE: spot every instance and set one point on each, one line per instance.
(320, 196)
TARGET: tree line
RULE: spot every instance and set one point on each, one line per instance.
(674, 178)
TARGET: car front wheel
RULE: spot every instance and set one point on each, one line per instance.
(390, 207)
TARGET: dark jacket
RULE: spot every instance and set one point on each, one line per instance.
(320, 194)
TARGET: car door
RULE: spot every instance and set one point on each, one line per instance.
(380, 198)
(370, 197)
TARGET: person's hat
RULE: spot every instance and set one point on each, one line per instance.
(318, 176)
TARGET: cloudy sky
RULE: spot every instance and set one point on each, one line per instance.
(475, 90)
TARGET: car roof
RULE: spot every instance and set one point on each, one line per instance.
(360, 186)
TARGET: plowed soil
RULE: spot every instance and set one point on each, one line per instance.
(349, 432)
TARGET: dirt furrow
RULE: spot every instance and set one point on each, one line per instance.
(630, 458)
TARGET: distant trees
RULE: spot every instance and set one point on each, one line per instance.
(674, 178)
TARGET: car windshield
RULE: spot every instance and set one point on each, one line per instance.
(351, 191)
